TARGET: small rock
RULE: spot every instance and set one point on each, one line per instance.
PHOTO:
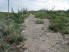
(24, 47)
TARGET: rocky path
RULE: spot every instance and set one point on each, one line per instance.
(39, 39)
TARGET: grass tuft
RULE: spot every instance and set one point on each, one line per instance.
(39, 21)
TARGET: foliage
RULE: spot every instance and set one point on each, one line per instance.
(12, 33)
(59, 20)
(39, 21)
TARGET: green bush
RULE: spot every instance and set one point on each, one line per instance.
(39, 22)
(59, 23)
(64, 31)
(21, 38)
(4, 45)
(41, 15)
(59, 19)
(13, 38)
(57, 26)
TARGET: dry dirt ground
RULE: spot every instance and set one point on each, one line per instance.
(40, 39)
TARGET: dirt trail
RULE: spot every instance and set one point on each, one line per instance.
(39, 39)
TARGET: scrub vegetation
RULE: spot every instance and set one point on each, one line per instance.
(59, 20)
(11, 28)
(39, 21)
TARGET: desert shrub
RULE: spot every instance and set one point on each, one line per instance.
(59, 23)
(59, 20)
(11, 33)
(41, 15)
(65, 31)
(12, 38)
(17, 17)
(25, 11)
(57, 26)
(21, 38)
(39, 21)
(4, 45)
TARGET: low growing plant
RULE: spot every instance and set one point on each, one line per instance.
(39, 22)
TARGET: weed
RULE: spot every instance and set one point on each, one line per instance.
(39, 22)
